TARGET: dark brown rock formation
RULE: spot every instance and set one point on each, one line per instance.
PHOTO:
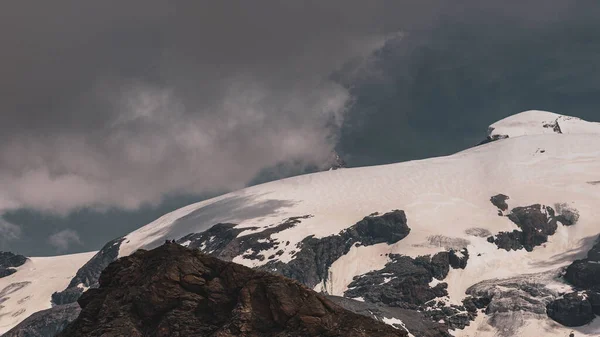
(175, 291)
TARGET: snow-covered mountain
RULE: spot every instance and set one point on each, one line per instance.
(472, 244)
(29, 289)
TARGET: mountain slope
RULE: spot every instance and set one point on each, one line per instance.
(445, 199)
(175, 291)
(30, 288)
(476, 242)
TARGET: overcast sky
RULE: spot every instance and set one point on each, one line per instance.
(114, 112)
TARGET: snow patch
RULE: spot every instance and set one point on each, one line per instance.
(394, 322)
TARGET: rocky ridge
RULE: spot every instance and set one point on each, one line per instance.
(583, 305)
(9, 261)
(176, 291)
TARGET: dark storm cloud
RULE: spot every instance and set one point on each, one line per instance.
(117, 103)
(434, 91)
(120, 102)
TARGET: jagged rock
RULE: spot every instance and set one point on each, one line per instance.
(554, 126)
(472, 304)
(9, 261)
(414, 321)
(222, 241)
(493, 138)
(407, 283)
(499, 201)
(311, 263)
(566, 215)
(572, 310)
(512, 300)
(585, 273)
(87, 276)
(594, 298)
(536, 223)
(580, 308)
(216, 240)
(144, 295)
(46, 323)
(440, 265)
(403, 282)
(4, 272)
(69, 295)
(458, 260)
(389, 228)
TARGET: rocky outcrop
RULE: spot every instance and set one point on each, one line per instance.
(573, 309)
(582, 306)
(403, 282)
(417, 323)
(414, 284)
(9, 261)
(492, 138)
(536, 223)
(499, 201)
(175, 291)
(585, 273)
(87, 276)
(314, 256)
(46, 323)
(508, 302)
(458, 260)
(222, 241)
(554, 126)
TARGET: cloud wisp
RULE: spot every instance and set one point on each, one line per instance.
(64, 239)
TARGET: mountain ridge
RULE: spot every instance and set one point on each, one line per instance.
(448, 206)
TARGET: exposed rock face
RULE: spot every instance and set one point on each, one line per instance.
(175, 291)
(458, 260)
(508, 302)
(9, 261)
(585, 273)
(536, 223)
(580, 307)
(493, 138)
(500, 201)
(414, 321)
(87, 276)
(222, 241)
(572, 310)
(46, 323)
(554, 126)
(404, 282)
(409, 283)
(315, 255)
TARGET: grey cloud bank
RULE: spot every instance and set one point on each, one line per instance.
(122, 104)
(117, 103)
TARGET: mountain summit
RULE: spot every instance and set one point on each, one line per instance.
(535, 122)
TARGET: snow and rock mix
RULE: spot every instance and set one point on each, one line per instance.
(473, 244)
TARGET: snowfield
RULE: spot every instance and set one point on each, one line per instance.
(30, 289)
(447, 205)
(446, 196)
